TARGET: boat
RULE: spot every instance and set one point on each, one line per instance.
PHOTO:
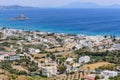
(21, 17)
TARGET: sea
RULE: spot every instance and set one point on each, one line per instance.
(73, 21)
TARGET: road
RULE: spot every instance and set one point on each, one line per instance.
(32, 59)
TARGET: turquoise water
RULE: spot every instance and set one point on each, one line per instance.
(79, 21)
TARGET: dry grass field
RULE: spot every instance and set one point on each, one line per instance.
(94, 65)
(18, 67)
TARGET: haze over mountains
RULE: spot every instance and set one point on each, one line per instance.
(16, 7)
(88, 5)
(71, 5)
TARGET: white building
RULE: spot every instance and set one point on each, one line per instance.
(3, 56)
(116, 46)
(84, 59)
(75, 65)
(49, 71)
(45, 40)
(28, 38)
(33, 51)
(70, 60)
(108, 74)
(14, 57)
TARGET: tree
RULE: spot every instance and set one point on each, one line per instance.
(18, 51)
(53, 57)
(22, 72)
(12, 77)
(62, 68)
(32, 69)
(97, 77)
(1, 35)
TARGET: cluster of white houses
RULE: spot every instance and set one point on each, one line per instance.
(91, 42)
(104, 75)
(50, 71)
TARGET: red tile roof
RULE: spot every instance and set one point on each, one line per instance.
(89, 77)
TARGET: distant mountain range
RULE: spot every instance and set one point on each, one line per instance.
(16, 7)
(88, 5)
(71, 5)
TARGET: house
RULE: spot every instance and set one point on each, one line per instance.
(9, 53)
(70, 60)
(49, 71)
(116, 46)
(3, 56)
(118, 68)
(75, 65)
(14, 58)
(45, 40)
(68, 63)
(33, 51)
(89, 77)
(28, 38)
(108, 74)
(84, 59)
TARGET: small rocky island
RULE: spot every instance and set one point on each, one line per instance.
(20, 17)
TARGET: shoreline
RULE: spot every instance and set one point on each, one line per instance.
(66, 33)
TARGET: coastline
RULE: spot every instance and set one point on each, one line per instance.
(66, 33)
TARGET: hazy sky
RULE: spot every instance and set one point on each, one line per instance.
(55, 3)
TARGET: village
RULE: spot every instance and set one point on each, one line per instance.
(58, 56)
